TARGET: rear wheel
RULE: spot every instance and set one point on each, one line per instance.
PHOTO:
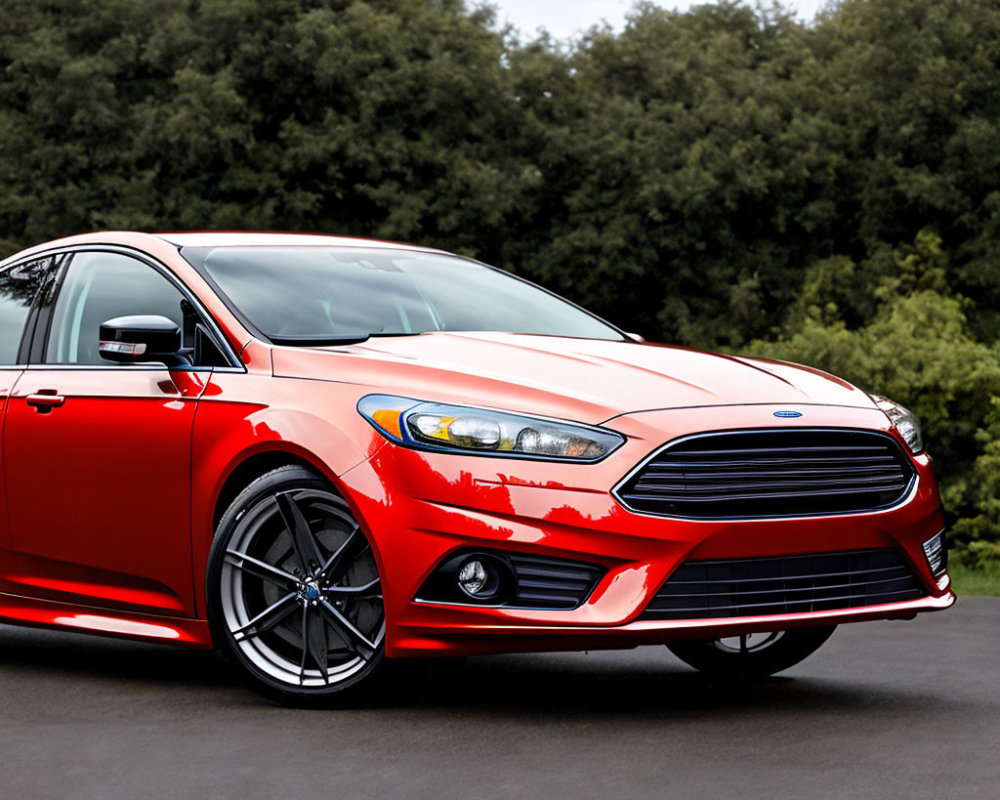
(294, 592)
(751, 656)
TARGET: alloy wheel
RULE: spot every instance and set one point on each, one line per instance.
(300, 592)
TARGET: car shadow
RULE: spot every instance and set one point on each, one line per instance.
(46, 652)
(646, 682)
(574, 685)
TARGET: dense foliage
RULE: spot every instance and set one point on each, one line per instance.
(724, 178)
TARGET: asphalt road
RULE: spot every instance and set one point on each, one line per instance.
(885, 710)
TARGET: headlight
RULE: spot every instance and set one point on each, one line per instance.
(904, 420)
(435, 426)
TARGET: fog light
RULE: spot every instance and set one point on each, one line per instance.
(472, 577)
(936, 552)
(479, 578)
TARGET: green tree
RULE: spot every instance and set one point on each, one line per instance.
(976, 530)
(724, 177)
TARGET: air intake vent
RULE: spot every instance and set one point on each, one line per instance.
(552, 582)
(771, 473)
(785, 585)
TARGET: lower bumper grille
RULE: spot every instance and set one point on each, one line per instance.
(784, 585)
(552, 582)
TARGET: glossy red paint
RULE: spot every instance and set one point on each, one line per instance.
(8, 377)
(85, 449)
(110, 498)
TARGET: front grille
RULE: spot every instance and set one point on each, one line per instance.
(784, 585)
(771, 473)
(552, 582)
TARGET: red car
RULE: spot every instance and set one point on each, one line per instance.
(317, 453)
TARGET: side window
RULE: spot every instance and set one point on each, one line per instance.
(18, 287)
(99, 287)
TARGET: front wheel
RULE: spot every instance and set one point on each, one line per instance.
(751, 656)
(294, 593)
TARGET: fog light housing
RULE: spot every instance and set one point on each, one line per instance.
(936, 553)
(478, 578)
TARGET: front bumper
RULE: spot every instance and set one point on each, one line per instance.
(419, 507)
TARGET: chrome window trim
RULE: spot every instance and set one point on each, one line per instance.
(147, 367)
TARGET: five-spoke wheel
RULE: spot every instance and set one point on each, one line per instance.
(294, 590)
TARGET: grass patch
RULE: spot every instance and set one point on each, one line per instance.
(967, 581)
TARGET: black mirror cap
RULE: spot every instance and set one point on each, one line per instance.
(140, 338)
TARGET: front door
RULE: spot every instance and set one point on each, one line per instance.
(99, 454)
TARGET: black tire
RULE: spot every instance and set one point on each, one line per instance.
(293, 592)
(742, 658)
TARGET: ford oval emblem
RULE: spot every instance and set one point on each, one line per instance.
(788, 414)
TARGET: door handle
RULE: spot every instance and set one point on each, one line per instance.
(45, 400)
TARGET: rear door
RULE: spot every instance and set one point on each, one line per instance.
(98, 453)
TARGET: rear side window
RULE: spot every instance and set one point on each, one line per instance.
(18, 288)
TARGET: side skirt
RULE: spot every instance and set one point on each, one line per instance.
(184, 632)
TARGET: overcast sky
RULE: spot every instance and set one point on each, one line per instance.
(565, 18)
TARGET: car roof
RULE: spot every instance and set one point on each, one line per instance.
(154, 241)
(254, 239)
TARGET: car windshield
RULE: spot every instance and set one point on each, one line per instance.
(314, 295)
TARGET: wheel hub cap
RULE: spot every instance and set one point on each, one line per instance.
(309, 590)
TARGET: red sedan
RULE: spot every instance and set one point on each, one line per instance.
(318, 453)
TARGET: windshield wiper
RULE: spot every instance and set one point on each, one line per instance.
(333, 339)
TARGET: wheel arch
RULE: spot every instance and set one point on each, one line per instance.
(253, 466)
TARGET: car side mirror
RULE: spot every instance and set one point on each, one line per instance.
(635, 337)
(137, 339)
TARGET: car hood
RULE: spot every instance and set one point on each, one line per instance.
(583, 379)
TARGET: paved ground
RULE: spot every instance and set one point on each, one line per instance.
(885, 710)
